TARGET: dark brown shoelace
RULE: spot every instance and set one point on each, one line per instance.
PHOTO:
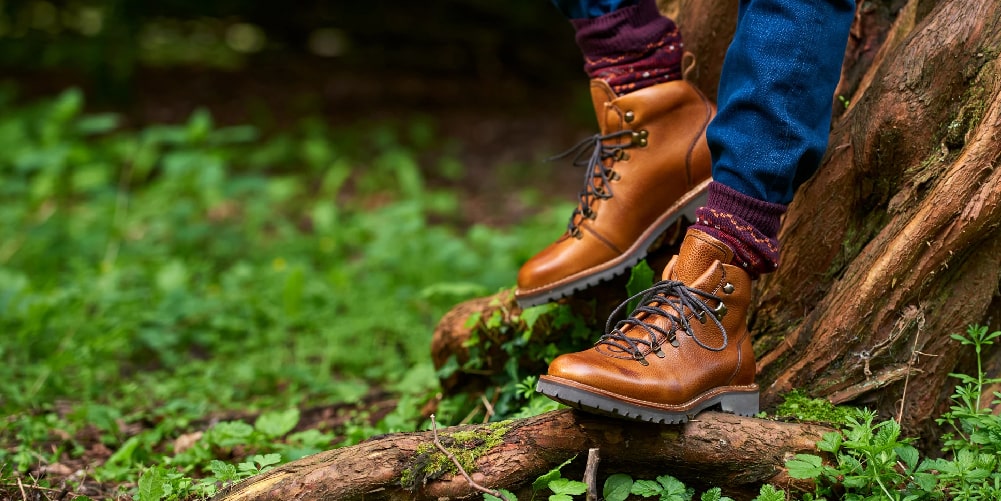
(592, 153)
(669, 299)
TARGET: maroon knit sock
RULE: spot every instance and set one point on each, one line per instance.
(747, 225)
(631, 48)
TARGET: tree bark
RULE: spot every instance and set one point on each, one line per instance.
(716, 449)
(893, 245)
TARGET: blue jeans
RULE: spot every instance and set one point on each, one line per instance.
(775, 92)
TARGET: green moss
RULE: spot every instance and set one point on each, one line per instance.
(856, 236)
(798, 405)
(967, 117)
(467, 446)
(974, 101)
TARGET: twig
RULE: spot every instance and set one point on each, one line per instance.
(493, 401)
(21, 486)
(910, 363)
(488, 406)
(62, 492)
(469, 417)
(591, 474)
(472, 483)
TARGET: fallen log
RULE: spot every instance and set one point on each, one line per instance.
(716, 449)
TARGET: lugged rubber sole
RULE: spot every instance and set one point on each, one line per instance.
(741, 400)
(685, 206)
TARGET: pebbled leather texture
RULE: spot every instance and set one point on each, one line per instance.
(687, 375)
(652, 183)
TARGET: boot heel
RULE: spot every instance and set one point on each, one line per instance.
(742, 404)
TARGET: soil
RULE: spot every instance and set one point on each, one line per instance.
(70, 474)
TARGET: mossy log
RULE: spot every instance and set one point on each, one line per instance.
(715, 449)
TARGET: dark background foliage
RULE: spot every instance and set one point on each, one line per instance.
(476, 51)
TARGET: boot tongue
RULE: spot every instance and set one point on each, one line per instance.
(601, 94)
(698, 253)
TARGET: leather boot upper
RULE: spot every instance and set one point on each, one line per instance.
(668, 352)
(659, 155)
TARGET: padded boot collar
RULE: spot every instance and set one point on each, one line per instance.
(698, 253)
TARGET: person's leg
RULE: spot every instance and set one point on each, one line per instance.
(631, 47)
(652, 133)
(775, 96)
(687, 347)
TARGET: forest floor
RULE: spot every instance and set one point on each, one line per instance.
(499, 131)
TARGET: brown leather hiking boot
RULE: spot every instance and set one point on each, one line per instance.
(648, 166)
(685, 349)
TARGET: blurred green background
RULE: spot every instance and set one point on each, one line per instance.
(347, 53)
(228, 228)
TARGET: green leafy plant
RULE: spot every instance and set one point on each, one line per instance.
(969, 418)
(666, 488)
(620, 486)
(868, 456)
(508, 495)
(173, 294)
(564, 489)
(617, 487)
(556, 473)
(874, 462)
(770, 493)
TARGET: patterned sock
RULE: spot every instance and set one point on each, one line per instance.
(748, 225)
(631, 48)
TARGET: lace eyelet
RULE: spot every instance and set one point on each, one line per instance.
(576, 233)
(720, 310)
(639, 138)
(620, 155)
(701, 317)
(728, 288)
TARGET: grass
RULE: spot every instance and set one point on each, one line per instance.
(173, 296)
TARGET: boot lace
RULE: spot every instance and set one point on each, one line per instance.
(592, 153)
(668, 299)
